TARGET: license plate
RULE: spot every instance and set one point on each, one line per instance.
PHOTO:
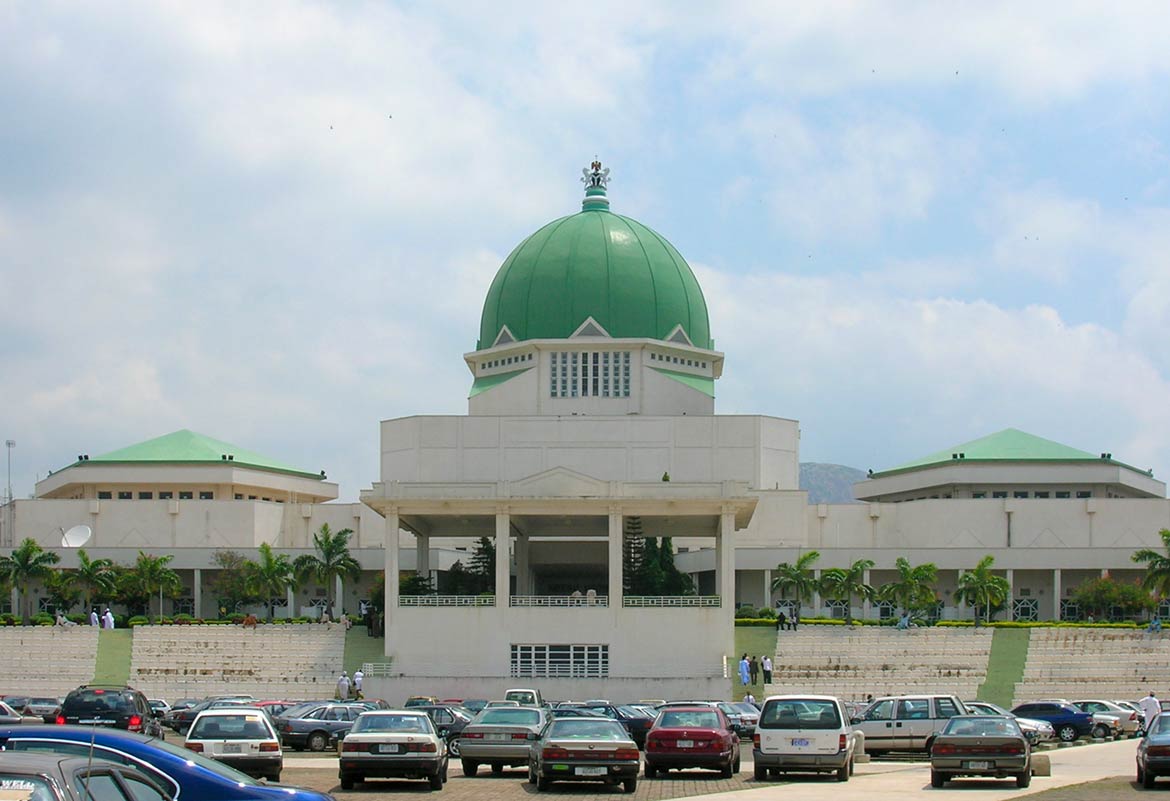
(231, 748)
(96, 722)
(388, 748)
(590, 772)
(800, 742)
(686, 743)
(497, 737)
(978, 765)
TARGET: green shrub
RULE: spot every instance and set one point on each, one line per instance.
(43, 619)
(139, 620)
(767, 612)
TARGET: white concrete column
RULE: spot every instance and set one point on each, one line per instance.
(866, 607)
(816, 599)
(959, 605)
(1056, 591)
(1009, 606)
(391, 589)
(503, 558)
(422, 544)
(290, 599)
(725, 550)
(338, 598)
(523, 568)
(767, 588)
(614, 541)
(197, 591)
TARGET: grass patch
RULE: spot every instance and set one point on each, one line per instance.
(754, 641)
(112, 665)
(360, 648)
(1005, 666)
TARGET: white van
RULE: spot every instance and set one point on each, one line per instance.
(806, 734)
(524, 697)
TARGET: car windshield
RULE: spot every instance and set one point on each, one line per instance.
(19, 787)
(296, 710)
(219, 768)
(378, 723)
(244, 726)
(807, 713)
(632, 712)
(509, 716)
(689, 719)
(96, 701)
(1161, 725)
(521, 696)
(586, 729)
(43, 701)
(746, 708)
(983, 726)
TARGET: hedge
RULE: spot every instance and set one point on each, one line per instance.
(1002, 624)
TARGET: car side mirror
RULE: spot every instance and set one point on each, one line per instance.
(443, 732)
(854, 721)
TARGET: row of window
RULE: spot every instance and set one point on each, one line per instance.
(604, 374)
(548, 661)
(504, 362)
(658, 357)
(167, 495)
(1041, 494)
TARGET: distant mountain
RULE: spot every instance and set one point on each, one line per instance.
(829, 483)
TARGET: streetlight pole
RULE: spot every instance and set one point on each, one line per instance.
(9, 444)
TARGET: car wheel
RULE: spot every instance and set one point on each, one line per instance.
(318, 740)
(532, 773)
(1140, 777)
(497, 769)
(469, 767)
(346, 782)
(651, 771)
(1067, 734)
(725, 770)
(435, 781)
(937, 779)
(630, 785)
(1148, 780)
(759, 772)
(851, 766)
(1024, 779)
(843, 773)
(1100, 731)
(735, 765)
(453, 747)
(274, 777)
(542, 783)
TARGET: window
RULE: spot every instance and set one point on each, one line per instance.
(1041, 494)
(145, 496)
(185, 496)
(946, 707)
(1061, 494)
(560, 661)
(594, 374)
(204, 495)
(239, 496)
(1084, 493)
(141, 790)
(124, 495)
(104, 495)
(97, 787)
(978, 494)
(166, 495)
(999, 494)
(1020, 494)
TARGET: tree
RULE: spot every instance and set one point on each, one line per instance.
(797, 578)
(633, 552)
(1100, 596)
(415, 584)
(332, 560)
(649, 579)
(269, 577)
(483, 565)
(62, 590)
(674, 581)
(913, 590)
(27, 563)
(95, 578)
(459, 581)
(154, 575)
(231, 584)
(980, 587)
(843, 584)
(1157, 577)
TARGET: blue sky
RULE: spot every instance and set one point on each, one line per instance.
(275, 223)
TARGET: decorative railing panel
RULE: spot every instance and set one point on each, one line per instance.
(560, 600)
(671, 600)
(446, 600)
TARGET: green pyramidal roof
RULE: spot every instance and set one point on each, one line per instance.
(1009, 445)
(190, 447)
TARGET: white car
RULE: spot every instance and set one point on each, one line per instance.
(1128, 719)
(393, 744)
(804, 734)
(242, 737)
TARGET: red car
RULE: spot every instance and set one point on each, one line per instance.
(692, 737)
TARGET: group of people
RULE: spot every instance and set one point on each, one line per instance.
(347, 689)
(750, 668)
(105, 620)
(783, 621)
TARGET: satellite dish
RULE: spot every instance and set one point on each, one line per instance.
(76, 537)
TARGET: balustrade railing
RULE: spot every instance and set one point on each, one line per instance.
(560, 600)
(671, 600)
(446, 600)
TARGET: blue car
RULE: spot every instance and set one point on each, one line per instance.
(1067, 721)
(189, 776)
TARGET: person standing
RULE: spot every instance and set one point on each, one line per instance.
(343, 686)
(108, 619)
(748, 698)
(744, 670)
(754, 670)
(93, 617)
(357, 683)
(766, 666)
(1151, 707)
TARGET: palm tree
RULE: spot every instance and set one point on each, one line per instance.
(270, 577)
(797, 577)
(95, 577)
(62, 590)
(153, 574)
(1157, 577)
(334, 560)
(841, 583)
(981, 587)
(29, 562)
(914, 587)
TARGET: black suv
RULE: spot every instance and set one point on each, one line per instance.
(118, 707)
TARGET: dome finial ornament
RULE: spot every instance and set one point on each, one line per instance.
(596, 180)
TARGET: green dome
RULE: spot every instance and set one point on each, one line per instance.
(595, 264)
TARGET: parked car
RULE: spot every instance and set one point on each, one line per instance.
(10, 716)
(573, 712)
(524, 697)
(804, 733)
(474, 705)
(242, 737)
(692, 737)
(312, 727)
(450, 721)
(981, 745)
(494, 704)
(1153, 752)
(393, 744)
(1105, 724)
(1128, 721)
(1133, 707)
(636, 722)
(1037, 731)
(905, 722)
(1069, 722)
(743, 717)
(421, 700)
(184, 773)
(181, 719)
(43, 707)
(51, 777)
(498, 737)
(583, 750)
(160, 707)
(115, 706)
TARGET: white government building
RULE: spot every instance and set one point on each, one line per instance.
(593, 378)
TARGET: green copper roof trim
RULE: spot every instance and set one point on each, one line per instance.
(190, 447)
(486, 382)
(597, 264)
(701, 383)
(1009, 445)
